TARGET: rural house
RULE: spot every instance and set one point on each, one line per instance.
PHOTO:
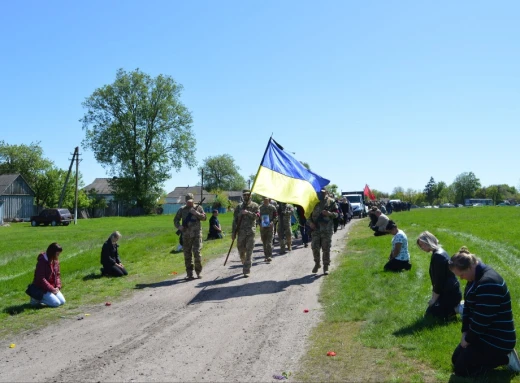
(17, 197)
(175, 199)
(102, 189)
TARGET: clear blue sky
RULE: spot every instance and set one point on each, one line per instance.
(384, 93)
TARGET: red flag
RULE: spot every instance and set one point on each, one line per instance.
(368, 193)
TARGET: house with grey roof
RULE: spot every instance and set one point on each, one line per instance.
(102, 189)
(176, 199)
(17, 198)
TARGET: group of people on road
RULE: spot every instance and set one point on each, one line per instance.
(270, 217)
(319, 227)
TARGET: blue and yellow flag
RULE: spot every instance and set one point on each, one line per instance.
(283, 178)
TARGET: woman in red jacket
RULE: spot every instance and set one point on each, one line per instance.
(47, 277)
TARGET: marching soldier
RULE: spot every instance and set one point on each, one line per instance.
(321, 223)
(191, 231)
(244, 218)
(285, 212)
(268, 216)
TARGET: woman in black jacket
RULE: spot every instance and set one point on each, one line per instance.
(446, 295)
(488, 331)
(110, 257)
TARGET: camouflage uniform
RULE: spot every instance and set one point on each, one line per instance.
(246, 231)
(285, 212)
(275, 204)
(266, 233)
(322, 232)
(192, 236)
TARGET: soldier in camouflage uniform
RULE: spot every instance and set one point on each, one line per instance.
(321, 223)
(268, 216)
(191, 230)
(247, 213)
(285, 211)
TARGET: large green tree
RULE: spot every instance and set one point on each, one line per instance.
(221, 173)
(465, 186)
(139, 130)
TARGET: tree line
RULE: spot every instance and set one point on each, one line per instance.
(466, 185)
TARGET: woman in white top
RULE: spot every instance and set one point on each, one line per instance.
(399, 258)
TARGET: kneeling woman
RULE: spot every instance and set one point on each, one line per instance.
(488, 331)
(110, 257)
(47, 277)
(446, 295)
(399, 258)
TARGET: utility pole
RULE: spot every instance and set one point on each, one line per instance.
(76, 152)
(201, 183)
(75, 156)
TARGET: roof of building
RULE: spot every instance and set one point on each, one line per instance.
(7, 179)
(180, 191)
(234, 193)
(101, 186)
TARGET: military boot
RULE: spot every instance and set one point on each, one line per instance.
(326, 269)
(316, 267)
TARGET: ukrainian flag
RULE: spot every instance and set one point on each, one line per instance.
(283, 178)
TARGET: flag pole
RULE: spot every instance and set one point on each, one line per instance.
(261, 162)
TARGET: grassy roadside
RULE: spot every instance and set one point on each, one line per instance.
(373, 320)
(147, 250)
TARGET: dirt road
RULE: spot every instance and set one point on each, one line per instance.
(222, 328)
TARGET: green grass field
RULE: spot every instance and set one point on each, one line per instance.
(147, 250)
(373, 320)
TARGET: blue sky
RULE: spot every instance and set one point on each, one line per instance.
(384, 93)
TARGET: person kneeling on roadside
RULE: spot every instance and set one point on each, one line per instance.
(446, 296)
(488, 330)
(215, 230)
(46, 285)
(399, 258)
(112, 265)
(382, 221)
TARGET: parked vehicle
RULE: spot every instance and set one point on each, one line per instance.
(53, 217)
(447, 205)
(357, 200)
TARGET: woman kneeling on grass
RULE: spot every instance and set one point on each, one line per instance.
(446, 295)
(399, 258)
(488, 331)
(112, 265)
(47, 281)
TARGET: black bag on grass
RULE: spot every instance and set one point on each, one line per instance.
(34, 292)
